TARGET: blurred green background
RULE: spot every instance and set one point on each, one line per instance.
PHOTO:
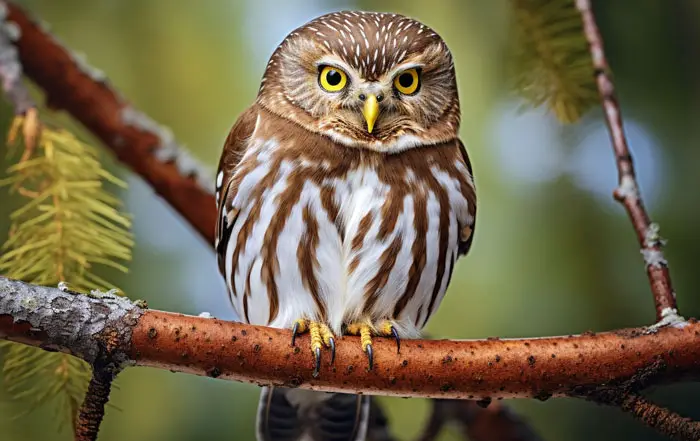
(553, 254)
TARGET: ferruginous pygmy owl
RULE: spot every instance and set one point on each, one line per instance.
(345, 198)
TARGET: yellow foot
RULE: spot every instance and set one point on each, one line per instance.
(321, 336)
(365, 331)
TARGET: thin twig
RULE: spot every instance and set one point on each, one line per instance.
(662, 419)
(659, 418)
(92, 410)
(627, 192)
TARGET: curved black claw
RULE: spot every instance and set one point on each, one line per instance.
(295, 332)
(317, 362)
(395, 333)
(331, 343)
(370, 356)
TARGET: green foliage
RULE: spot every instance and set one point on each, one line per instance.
(551, 62)
(68, 225)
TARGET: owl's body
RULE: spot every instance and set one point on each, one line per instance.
(339, 235)
(336, 223)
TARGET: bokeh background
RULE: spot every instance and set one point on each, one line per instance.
(553, 253)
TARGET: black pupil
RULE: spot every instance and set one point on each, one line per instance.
(406, 80)
(333, 77)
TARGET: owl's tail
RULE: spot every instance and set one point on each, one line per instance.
(303, 415)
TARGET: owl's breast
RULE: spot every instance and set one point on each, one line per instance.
(340, 244)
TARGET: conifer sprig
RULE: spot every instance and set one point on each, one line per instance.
(68, 226)
(551, 63)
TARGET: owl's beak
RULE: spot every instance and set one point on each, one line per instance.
(371, 111)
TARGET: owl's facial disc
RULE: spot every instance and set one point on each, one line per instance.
(378, 81)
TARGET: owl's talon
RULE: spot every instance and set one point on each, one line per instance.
(295, 332)
(321, 336)
(387, 329)
(331, 343)
(300, 326)
(370, 356)
(395, 333)
(317, 362)
(365, 333)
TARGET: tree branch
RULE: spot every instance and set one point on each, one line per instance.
(92, 411)
(608, 367)
(11, 68)
(654, 416)
(473, 369)
(627, 192)
(138, 141)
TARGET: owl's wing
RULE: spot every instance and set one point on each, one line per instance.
(234, 148)
(467, 225)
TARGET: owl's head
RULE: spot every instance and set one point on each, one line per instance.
(365, 79)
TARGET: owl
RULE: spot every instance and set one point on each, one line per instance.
(345, 198)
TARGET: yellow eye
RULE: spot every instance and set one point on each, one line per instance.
(407, 82)
(332, 79)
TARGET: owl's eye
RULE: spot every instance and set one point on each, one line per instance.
(407, 82)
(332, 79)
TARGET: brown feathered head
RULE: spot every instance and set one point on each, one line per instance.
(379, 81)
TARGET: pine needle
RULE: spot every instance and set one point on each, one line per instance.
(68, 226)
(551, 63)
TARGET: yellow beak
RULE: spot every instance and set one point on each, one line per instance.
(371, 111)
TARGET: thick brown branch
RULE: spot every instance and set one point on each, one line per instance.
(628, 190)
(478, 369)
(139, 142)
